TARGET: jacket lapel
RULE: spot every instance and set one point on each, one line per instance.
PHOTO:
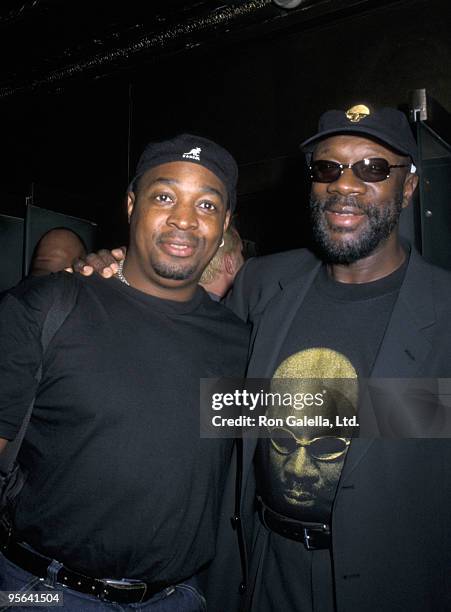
(406, 342)
(407, 338)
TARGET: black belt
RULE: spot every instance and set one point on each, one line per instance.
(314, 536)
(114, 591)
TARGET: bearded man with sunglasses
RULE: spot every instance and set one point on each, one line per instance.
(380, 539)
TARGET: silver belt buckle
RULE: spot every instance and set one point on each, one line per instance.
(324, 529)
(307, 538)
(127, 585)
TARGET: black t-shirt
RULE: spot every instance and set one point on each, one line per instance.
(343, 325)
(119, 482)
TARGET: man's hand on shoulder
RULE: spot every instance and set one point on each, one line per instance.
(104, 262)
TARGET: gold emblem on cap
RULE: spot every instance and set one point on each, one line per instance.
(357, 112)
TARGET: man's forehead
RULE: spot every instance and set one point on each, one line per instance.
(180, 171)
(59, 237)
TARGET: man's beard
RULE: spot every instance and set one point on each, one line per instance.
(381, 218)
(174, 272)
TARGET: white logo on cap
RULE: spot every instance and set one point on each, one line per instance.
(193, 154)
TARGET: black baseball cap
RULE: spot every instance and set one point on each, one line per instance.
(387, 125)
(195, 150)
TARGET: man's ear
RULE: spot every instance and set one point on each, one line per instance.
(226, 222)
(410, 184)
(130, 204)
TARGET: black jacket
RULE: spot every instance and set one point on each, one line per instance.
(391, 519)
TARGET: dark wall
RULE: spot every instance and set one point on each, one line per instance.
(259, 98)
(73, 145)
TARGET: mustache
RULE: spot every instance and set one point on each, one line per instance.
(325, 204)
(178, 236)
(296, 490)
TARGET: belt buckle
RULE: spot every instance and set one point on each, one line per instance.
(307, 537)
(127, 585)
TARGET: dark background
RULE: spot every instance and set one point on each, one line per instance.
(85, 86)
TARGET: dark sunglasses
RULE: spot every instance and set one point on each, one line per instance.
(371, 170)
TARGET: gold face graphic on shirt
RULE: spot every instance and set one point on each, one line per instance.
(302, 463)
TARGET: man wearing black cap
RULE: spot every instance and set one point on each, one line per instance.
(381, 543)
(121, 501)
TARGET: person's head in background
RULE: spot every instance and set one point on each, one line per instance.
(217, 278)
(56, 250)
